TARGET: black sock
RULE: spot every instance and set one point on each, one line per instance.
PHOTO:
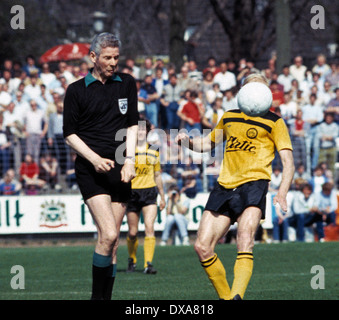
(101, 269)
(110, 282)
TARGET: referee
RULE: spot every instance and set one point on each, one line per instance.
(100, 115)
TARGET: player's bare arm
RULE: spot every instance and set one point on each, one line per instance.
(287, 177)
(158, 181)
(100, 164)
(197, 144)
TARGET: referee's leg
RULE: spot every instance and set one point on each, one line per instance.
(102, 269)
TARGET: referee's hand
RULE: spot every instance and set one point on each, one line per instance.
(128, 172)
(103, 165)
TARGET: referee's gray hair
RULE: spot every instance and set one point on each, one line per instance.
(104, 40)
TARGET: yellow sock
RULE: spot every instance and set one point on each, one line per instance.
(242, 273)
(149, 247)
(217, 275)
(132, 246)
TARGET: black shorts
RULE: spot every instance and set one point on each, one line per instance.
(233, 202)
(92, 183)
(141, 198)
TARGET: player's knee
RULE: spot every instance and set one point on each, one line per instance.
(245, 241)
(204, 251)
(132, 233)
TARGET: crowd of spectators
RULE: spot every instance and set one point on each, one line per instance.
(35, 159)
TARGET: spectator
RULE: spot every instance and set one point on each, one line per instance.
(30, 67)
(5, 97)
(298, 129)
(21, 104)
(5, 151)
(285, 78)
(158, 82)
(276, 178)
(147, 68)
(318, 179)
(185, 81)
(84, 69)
(280, 224)
(328, 131)
(9, 81)
(313, 115)
(159, 63)
(191, 112)
(64, 72)
(46, 75)
(44, 99)
(211, 66)
(289, 107)
(277, 94)
(135, 69)
(36, 127)
(56, 140)
(193, 71)
(9, 186)
(327, 204)
(186, 171)
(333, 105)
(206, 85)
(142, 99)
(300, 173)
(298, 70)
(225, 78)
(303, 208)
(229, 101)
(48, 171)
(151, 108)
(170, 101)
(321, 67)
(327, 93)
(214, 113)
(29, 176)
(333, 76)
(177, 211)
(33, 90)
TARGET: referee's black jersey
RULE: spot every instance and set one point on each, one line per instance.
(96, 112)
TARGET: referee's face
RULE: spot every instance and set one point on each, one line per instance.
(106, 63)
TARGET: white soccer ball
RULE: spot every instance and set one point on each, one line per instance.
(254, 99)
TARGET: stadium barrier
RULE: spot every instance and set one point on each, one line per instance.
(68, 214)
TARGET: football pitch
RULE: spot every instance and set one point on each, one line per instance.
(281, 272)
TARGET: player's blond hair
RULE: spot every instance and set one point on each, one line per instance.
(256, 77)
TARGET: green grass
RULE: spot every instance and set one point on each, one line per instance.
(281, 272)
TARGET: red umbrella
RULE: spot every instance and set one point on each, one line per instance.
(66, 52)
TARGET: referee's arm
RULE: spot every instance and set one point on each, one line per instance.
(100, 164)
(128, 170)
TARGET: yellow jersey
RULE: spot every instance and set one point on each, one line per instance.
(147, 162)
(251, 143)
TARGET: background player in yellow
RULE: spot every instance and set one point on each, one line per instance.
(240, 195)
(145, 187)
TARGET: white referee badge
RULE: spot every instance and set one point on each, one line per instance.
(123, 105)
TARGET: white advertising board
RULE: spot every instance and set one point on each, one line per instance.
(69, 214)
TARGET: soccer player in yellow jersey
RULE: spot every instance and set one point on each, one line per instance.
(240, 195)
(145, 187)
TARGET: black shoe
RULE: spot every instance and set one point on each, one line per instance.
(131, 266)
(149, 269)
(237, 297)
